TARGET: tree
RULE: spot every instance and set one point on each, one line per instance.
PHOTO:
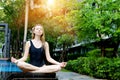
(96, 20)
(64, 41)
(14, 16)
(54, 20)
(1, 12)
(58, 31)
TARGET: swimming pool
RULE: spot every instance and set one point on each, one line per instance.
(9, 71)
(7, 66)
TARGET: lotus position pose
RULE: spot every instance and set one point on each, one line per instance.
(37, 49)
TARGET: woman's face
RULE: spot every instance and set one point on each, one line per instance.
(38, 30)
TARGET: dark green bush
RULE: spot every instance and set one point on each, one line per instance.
(72, 65)
(101, 67)
(114, 70)
(92, 65)
(85, 66)
(80, 63)
(73, 56)
(94, 53)
(97, 53)
(118, 51)
(109, 52)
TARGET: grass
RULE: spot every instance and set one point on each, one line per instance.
(65, 70)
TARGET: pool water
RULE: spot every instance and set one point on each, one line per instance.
(9, 71)
(7, 66)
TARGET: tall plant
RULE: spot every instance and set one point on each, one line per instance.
(97, 20)
(14, 16)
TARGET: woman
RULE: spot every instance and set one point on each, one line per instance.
(36, 48)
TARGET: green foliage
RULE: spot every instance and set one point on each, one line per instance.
(109, 52)
(102, 67)
(86, 69)
(2, 37)
(94, 53)
(114, 69)
(1, 45)
(1, 12)
(55, 25)
(73, 56)
(2, 15)
(13, 12)
(119, 51)
(95, 19)
(72, 65)
(65, 39)
(65, 70)
(97, 53)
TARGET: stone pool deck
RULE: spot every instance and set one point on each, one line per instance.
(73, 76)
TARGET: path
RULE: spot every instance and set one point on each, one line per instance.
(73, 76)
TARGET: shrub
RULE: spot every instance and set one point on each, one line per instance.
(98, 67)
(94, 53)
(72, 65)
(114, 69)
(73, 56)
(102, 67)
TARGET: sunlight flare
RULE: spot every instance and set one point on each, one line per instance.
(50, 2)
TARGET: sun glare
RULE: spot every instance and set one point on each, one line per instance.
(50, 2)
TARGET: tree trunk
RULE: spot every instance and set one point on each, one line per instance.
(115, 54)
(102, 48)
(102, 51)
(62, 54)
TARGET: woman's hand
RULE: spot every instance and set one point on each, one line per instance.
(63, 64)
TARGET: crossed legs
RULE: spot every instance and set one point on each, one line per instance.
(47, 69)
(26, 67)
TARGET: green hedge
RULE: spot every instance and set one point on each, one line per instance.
(102, 67)
(94, 53)
(97, 53)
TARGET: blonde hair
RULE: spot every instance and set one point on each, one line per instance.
(42, 37)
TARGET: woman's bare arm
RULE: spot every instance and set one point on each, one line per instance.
(51, 60)
(47, 53)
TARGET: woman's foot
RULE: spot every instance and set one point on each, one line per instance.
(14, 60)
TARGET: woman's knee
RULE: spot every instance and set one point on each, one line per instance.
(20, 64)
(58, 67)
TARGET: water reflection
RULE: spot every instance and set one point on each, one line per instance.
(7, 68)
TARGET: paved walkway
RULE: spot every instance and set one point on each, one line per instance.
(73, 76)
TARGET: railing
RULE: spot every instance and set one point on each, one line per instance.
(6, 43)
